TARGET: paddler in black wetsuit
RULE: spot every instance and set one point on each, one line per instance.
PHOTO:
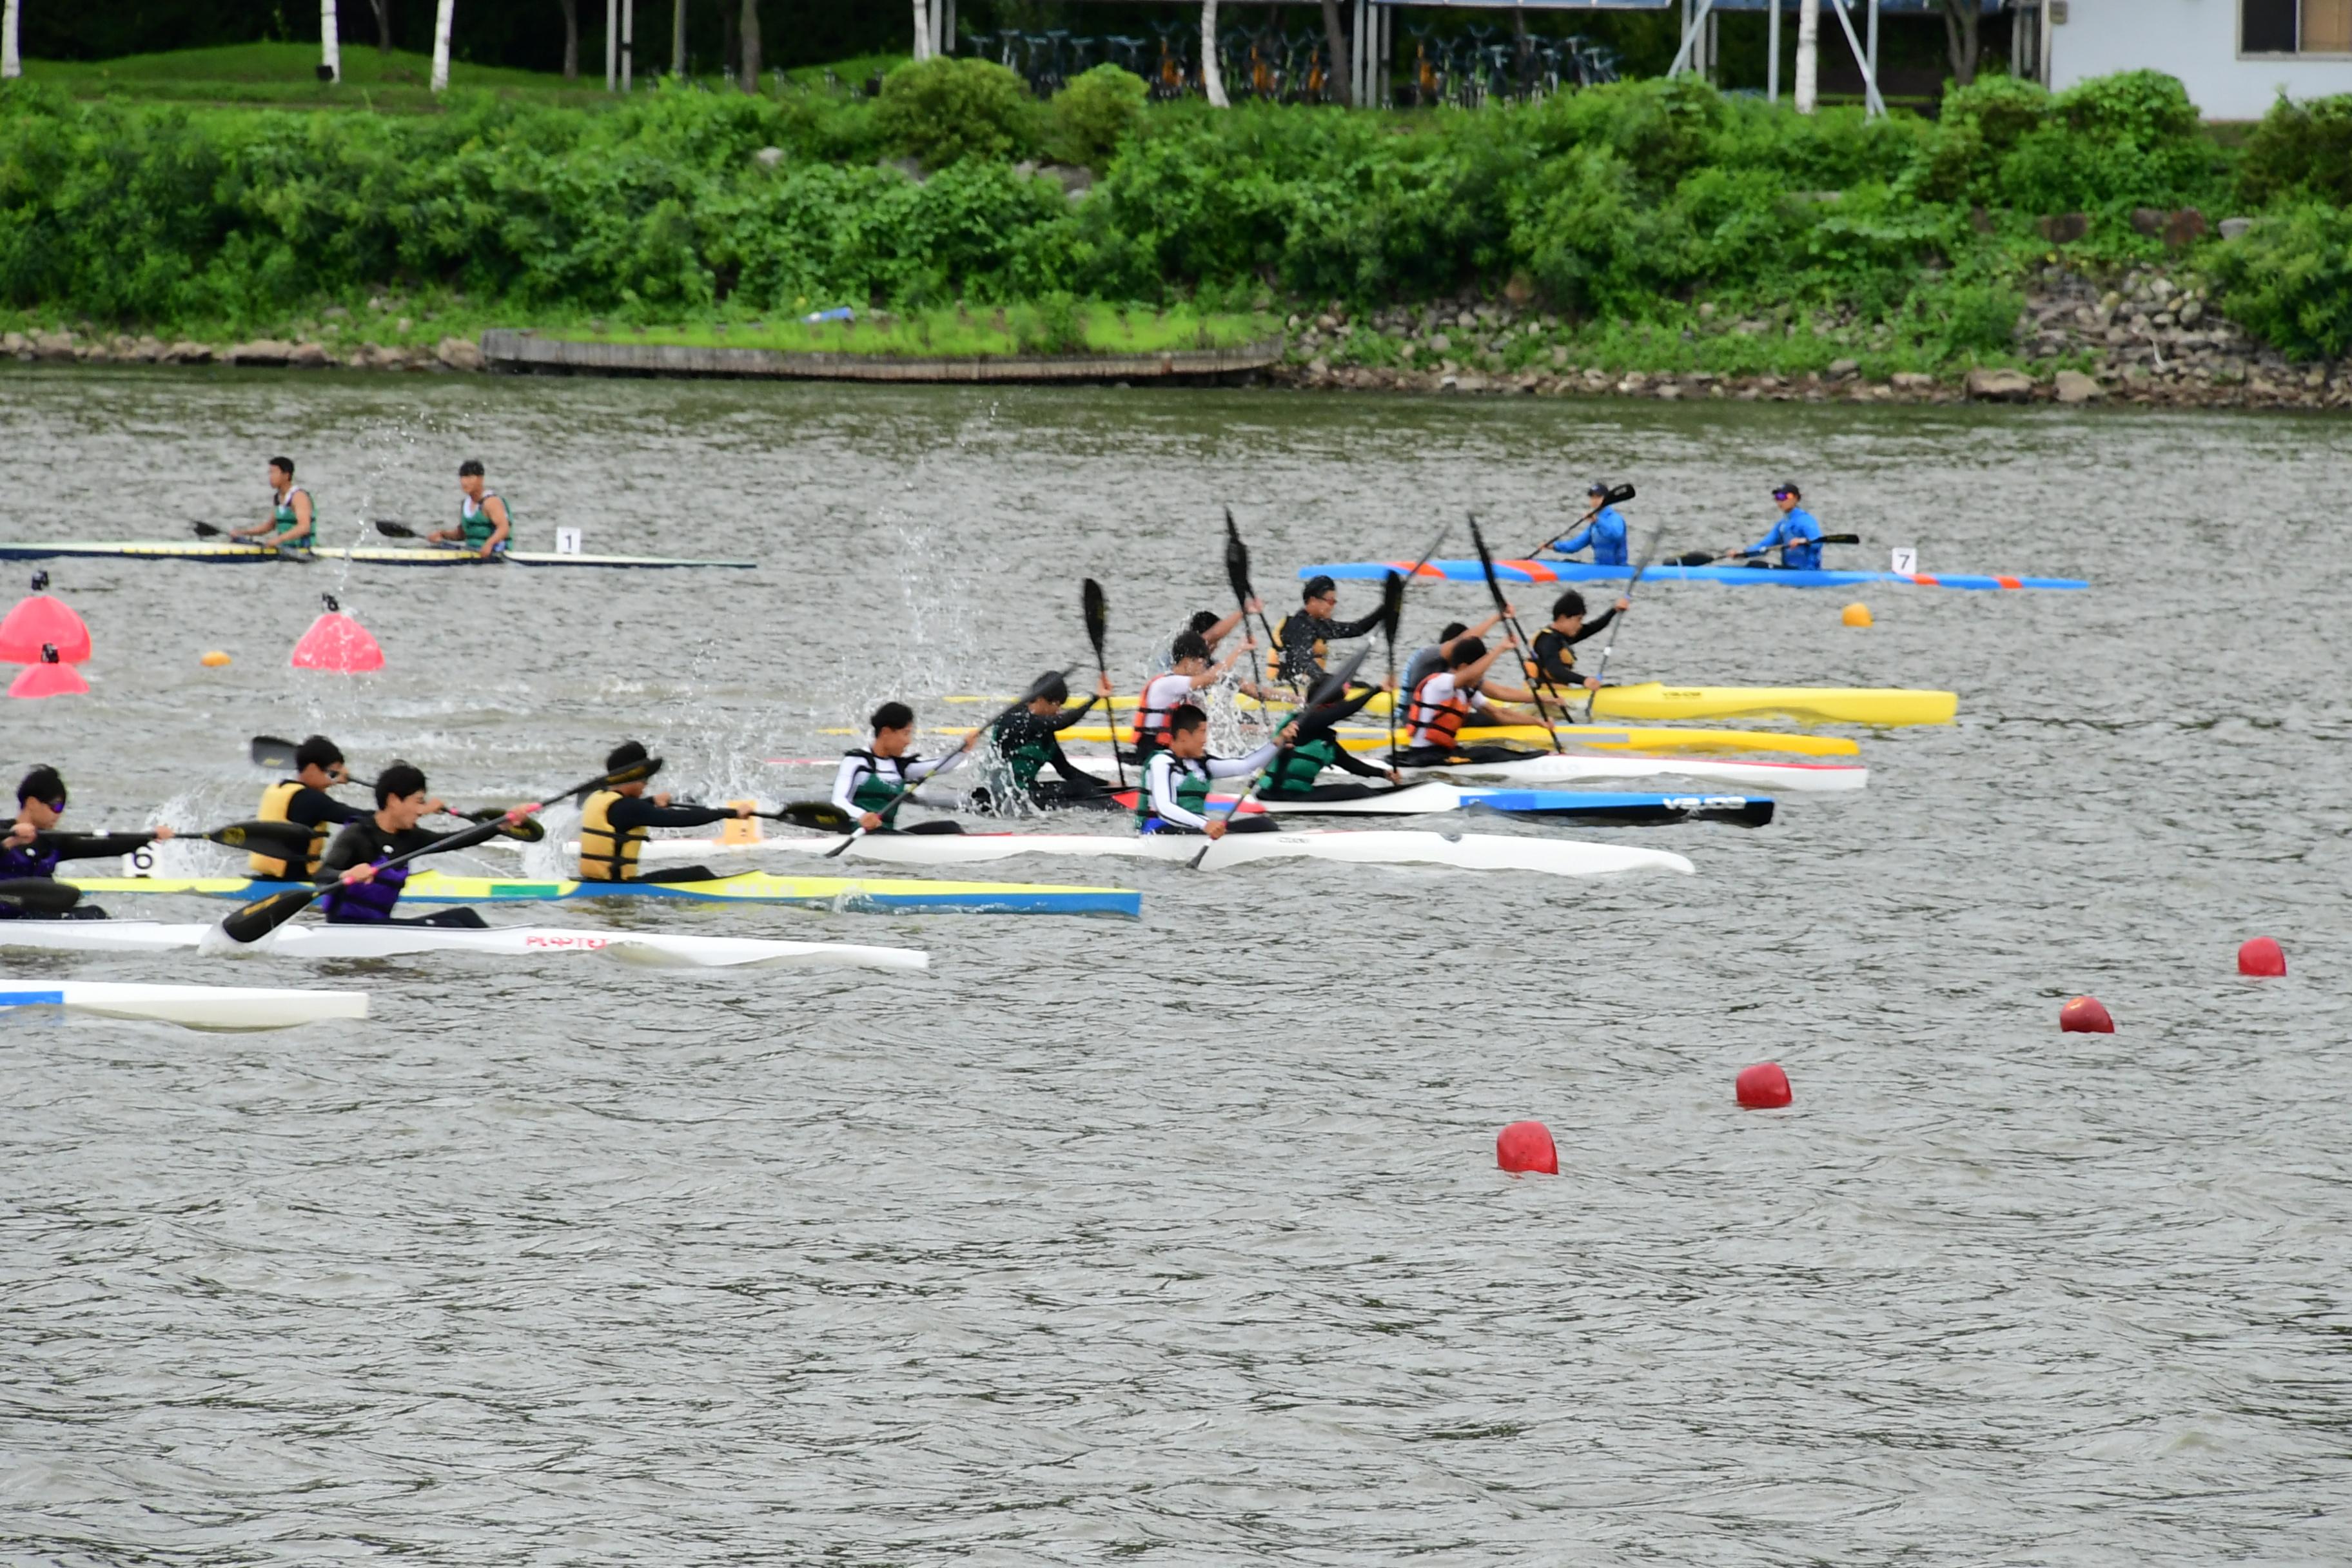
(1292, 773)
(1555, 645)
(303, 799)
(360, 890)
(1305, 633)
(32, 846)
(613, 822)
(1028, 740)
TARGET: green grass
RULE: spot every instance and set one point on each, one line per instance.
(969, 333)
(285, 75)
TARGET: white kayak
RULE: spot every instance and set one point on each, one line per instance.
(1465, 851)
(195, 1006)
(506, 942)
(1575, 767)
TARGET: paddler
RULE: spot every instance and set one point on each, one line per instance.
(1306, 632)
(483, 523)
(32, 847)
(1605, 532)
(1163, 694)
(613, 824)
(1176, 781)
(875, 782)
(1555, 645)
(1797, 535)
(1212, 627)
(364, 891)
(1443, 703)
(1314, 747)
(1029, 741)
(1427, 661)
(290, 513)
(303, 799)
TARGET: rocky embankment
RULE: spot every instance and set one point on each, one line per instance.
(90, 348)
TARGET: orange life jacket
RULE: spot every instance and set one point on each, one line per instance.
(1436, 724)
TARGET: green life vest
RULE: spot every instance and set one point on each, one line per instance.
(1191, 791)
(475, 519)
(1025, 748)
(876, 794)
(1294, 768)
(283, 522)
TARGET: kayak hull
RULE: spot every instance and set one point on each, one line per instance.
(1572, 767)
(1612, 738)
(1889, 706)
(1737, 576)
(212, 552)
(644, 948)
(191, 1006)
(1466, 851)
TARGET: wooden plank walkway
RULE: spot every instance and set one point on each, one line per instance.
(508, 349)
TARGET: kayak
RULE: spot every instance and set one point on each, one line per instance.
(1886, 705)
(1465, 851)
(1585, 572)
(642, 948)
(1571, 767)
(839, 893)
(194, 1006)
(1612, 738)
(220, 551)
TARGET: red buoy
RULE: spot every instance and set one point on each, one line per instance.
(2261, 955)
(1763, 1087)
(2084, 1015)
(1527, 1146)
(40, 621)
(335, 642)
(50, 677)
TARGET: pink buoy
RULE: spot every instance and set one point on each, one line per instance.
(52, 677)
(1763, 1087)
(2086, 1015)
(41, 621)
(2262, 955)
(337, 643)
(1527, 1146)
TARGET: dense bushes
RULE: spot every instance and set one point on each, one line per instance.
(2289, 281)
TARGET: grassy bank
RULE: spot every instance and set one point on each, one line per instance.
(1060, 326)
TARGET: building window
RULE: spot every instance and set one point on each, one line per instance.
(2295, 26)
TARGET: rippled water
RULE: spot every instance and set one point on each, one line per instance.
(1183, 1238)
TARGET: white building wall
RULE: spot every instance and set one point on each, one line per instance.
(2196, 40)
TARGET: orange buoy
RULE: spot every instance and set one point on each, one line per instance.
(52, 677)
(1763, 1087)
(2261, 955)
(1527, 1146)
(41, 622)
(2086, 1015)
(213, 658)
(1856, 615)
(335, 642)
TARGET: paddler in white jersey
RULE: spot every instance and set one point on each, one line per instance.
(873, 784)
(1176, 779)
(483, 523)
(290, 513)
(1163, 694)
(1456, 696)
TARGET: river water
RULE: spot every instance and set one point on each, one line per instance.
(1183, 1239)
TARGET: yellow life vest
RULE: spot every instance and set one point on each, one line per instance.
(608, 854)
(274, 803)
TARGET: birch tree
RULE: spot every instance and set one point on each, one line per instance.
(1213, 80)
(330, 45)
(441, 20)
(1809, 55)
(10, 65)
(922, 30)
(1960, 19)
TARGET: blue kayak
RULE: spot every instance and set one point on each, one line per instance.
(1585, 806)
(1584, 571)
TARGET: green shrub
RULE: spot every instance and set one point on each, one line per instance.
(948, 109)
(1095, 113)
(2302, 149)
(2288, 280)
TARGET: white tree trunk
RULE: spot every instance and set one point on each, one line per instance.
(1809, 55)
(612, 45)
(10, 65)
(922, 30)
(330, 45)
(1213, 80)
(441, 46)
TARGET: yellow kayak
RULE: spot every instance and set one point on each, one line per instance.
(1604, 738)
(1651, 700)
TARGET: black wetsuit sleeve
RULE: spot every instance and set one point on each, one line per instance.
(92, 846)
(1357, 766)
(309, 807)
(1601, 625)
(1073, 715)
(1340, 631)
(642, 813)
(362, 842)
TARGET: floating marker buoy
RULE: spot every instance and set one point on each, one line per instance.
(1527, 1146)
(2084, 1015)
(41, 621)
(2261, 955)
(1856, 615)
(1763, 1087)
(52, 677)
(335, 642)
(213, 660)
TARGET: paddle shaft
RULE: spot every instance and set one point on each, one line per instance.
(1004, 713)
(1607, 498)
(1519, 651)
(1601, 665)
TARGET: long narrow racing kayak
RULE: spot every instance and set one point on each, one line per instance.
(194, 1006)
(1573, 767)
(1585, 572)
(891, 896)
(643, 948)
(219, 551)
(1607, 737)
(1886, 705)
(1466, 851)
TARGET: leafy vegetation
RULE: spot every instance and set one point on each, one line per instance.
(1056, 324)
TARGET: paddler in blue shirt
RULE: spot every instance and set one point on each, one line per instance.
(290, 513)
(1797, 536)
(484, 524)
(1605, 534)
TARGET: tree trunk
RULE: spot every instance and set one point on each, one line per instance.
(1809, 55)
(382, 9)
(570, 39)
(10, 65)
(1335, 39)
(750, 29)
(1213, 80)
(922, 30)
(330, 42)
(678, 39)
(1960, 17)
(442, 17)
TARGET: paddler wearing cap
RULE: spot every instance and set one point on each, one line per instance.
(1797, 535)
(1605, 531)
(360, 888)
(32, 847)
(613, 822)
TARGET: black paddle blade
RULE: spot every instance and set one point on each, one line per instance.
(1236, 564)
(1391, 607)
(258, 918)
(1620, 493)
(1097, 613)
(271, 838)
(1839, 538)
(1332, 685)
(391, 530)
(1693, 558)
(39, 895)
(273, 752)
(206, 530)
(820, 815)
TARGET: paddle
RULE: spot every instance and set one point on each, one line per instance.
(277, 754)
(1612, 497)
(1518, 639)
(1237, 573)
(257, 919)
(1431, 551)
(1601, 665)
(1330, 689)
(39, 895)
(1702, 558)
(1036, 689)
(1097, 613)
(1392, 614)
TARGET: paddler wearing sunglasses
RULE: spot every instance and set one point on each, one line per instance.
(33, 848)
(1797, 535)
